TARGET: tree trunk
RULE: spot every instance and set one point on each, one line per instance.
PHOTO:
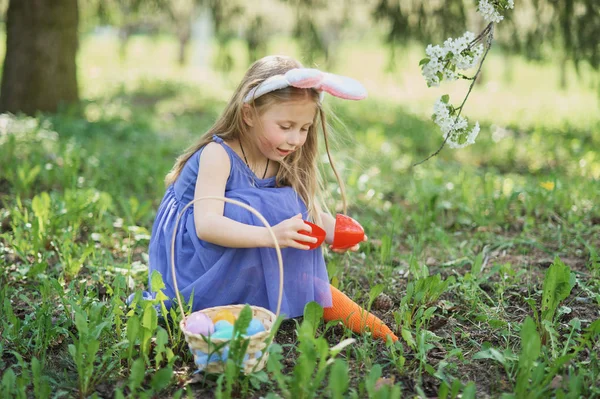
(41, 45)
(184, 38)
(563, 73)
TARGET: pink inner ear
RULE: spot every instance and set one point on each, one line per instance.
(304, 78)
(341, 93)
(343, 87)
(307, 83)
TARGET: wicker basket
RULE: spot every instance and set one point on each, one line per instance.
(212, 349)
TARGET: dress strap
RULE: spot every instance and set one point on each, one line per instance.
(217, 139)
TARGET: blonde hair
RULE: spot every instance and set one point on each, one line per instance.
(299, 169)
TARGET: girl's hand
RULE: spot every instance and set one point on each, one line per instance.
(287, 234)
(344, 250)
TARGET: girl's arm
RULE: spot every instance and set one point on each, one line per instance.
(215, 228)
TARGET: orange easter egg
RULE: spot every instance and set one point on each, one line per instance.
(224, 315)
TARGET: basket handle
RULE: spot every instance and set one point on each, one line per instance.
(247, 207)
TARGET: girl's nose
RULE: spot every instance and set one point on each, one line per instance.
(294, 138)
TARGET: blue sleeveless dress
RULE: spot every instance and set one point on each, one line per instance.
(216, 275)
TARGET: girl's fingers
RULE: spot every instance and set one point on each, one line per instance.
(337, 250)
(307, 227)
(341, 251)
(297, 245)
(305, 238)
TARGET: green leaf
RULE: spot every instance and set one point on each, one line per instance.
(407, 336)
(9, 380)
(338, 379)
(558, 283)
(490, 353)
(424, 61)
(161, 379)
(477, 264)
(41, 387)
(150, 318)
(81, 323)
(133, 327)
(243, 320)
(313, 312)
(469, 391)
(156, 281)
(374, 293)
(136, 377)
(161, 297)
(445, 98)
(530, 351)
(530, 343)
(443, 391)
(372, 379)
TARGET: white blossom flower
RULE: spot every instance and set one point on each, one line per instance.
(455, 129)
(442, 61)
(489, 9)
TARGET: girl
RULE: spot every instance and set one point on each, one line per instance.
(262, 151)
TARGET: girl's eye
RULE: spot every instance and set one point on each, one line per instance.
(285, 127)
(304, 129)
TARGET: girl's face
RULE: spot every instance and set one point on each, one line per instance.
(283, 127)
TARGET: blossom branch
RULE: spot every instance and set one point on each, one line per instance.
(489, 32)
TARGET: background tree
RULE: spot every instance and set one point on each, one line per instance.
(421, 21)
(181, 14)
(127, 16)
(39, 67)
(225, 15)
(257, 38)
(318, 28)
(565, 30)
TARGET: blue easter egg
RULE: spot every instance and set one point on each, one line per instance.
(201, 361)
(255, 327)
(199, 353)
(223, 333)
(222, 324)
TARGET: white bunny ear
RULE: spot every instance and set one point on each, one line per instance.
(273, 83)
(307, 78)
(343, 87)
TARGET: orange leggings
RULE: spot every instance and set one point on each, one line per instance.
(355, 317)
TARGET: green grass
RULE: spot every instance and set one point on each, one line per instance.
(477, 249)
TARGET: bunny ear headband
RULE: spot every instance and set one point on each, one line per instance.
(307, 78)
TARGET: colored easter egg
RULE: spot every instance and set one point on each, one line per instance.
(223, 333)
(203, 360)
(221, 324)
(348, 232)
(199, 323)
(255, 327)
(224, 315)
(317, 232)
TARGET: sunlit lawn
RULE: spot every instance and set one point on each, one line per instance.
(460, 244)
